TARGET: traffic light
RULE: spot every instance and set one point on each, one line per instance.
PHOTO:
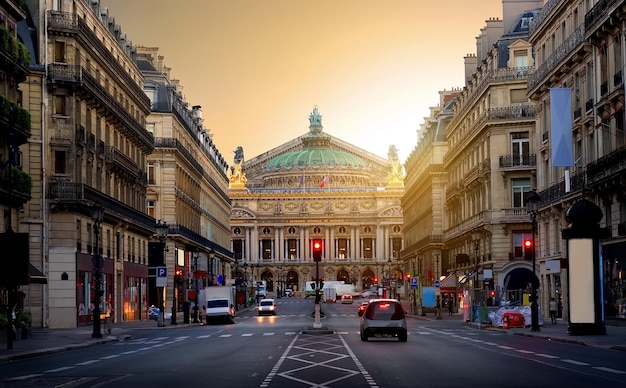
(376, 280)
(492, 293)
(317, 249)
(178, 276)
(528, 243)
(408, 276)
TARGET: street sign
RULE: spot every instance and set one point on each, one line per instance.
(437, 284)
(161, 280)
(413, 283)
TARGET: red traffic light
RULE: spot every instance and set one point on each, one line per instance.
(528, 243)
(375, 280)
(408, 276)
(317, 249)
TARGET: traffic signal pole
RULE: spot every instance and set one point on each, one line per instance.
(317, 257)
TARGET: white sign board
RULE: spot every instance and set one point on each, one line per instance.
(161, 278)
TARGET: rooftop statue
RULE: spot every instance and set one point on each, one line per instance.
(238, 155)
(315, 118)
(393, 153)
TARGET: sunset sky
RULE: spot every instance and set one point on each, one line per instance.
(257, 67)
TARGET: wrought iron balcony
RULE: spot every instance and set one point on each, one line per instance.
(69, 24)
(613, 164)
(78, 77)
(600, 11)
(79, 194)
(523, 161)
(120, 162)
(553, 61)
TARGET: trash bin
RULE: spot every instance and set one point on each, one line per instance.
(186, 306)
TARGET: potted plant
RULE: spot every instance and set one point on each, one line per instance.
(23, 321)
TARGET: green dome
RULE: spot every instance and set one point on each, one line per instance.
(316, 157)
(316, 151)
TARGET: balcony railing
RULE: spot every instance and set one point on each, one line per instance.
(69, 23)
(554, 60)
(167, 142)
(121, 161)
(607, 166)
(600, 11)
(557, 192)
(79, 193)
(518, 161)
(60, 73)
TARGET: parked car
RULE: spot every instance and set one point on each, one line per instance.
(384, 318)
(289, 292)
(267, 306)
(153, 313)
(346, 299)
(362, 308)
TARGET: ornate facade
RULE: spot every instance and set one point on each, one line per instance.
(187, 189)
(474, 166)
(580, 45)
(317, 186)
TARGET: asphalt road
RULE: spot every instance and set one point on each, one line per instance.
(273, 351)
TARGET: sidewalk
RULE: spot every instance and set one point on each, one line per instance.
(48, 341)
(615, 337)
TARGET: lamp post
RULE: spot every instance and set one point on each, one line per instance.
(279, 271)
(532, 202)
(195, 286)
(162, 230)
(476, 239)
(211, 264)
(97, 215)
(245, 278)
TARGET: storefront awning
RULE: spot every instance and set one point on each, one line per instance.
(35, 276)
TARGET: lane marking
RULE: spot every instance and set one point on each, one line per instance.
(58, 369)
(603, 368)
(547, 355)
(574, 362)
(87, 362)
(26, 376)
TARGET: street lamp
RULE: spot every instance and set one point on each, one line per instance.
(279, 272)
(476, 238)
(211, 264)
(162, 230)
(245, 278)
(195, 286)
(532, 202)
(97, 215)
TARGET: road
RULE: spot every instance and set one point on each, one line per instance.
(273, 351)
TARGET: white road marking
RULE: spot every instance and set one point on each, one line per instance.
(621, 372)
(26, 376)
(547, 355)
(575, 362)
(58, 369)
(87, 362)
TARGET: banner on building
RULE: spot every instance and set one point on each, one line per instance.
(561, 143)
